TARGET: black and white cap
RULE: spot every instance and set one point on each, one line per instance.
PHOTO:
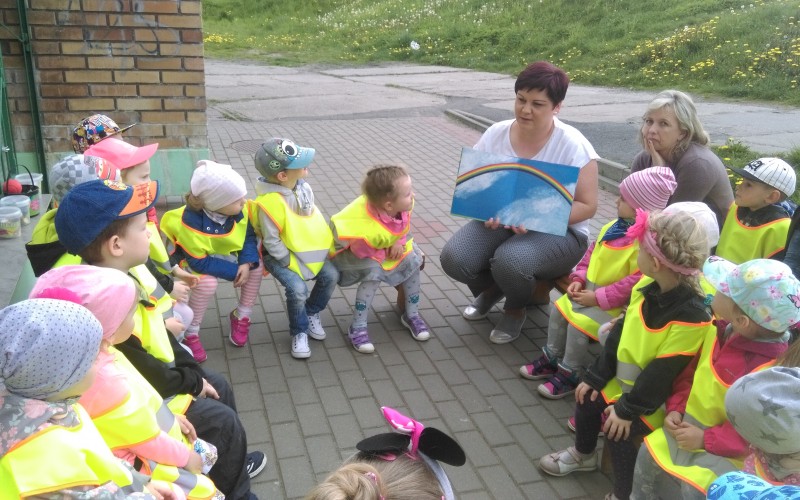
(771, 171)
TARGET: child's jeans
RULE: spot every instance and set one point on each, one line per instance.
(300, 303)
(204, 291)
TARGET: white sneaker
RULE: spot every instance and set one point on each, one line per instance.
(315, 330)
(300, 349)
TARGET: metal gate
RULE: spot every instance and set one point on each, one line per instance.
(8, 163)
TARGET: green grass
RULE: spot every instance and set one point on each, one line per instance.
(713, 47)
(735, 154)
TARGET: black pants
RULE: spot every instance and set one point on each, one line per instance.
(588, 419)
(217, 422)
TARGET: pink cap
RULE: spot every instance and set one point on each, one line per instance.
(108, 293)
(648, 189)
(120, 153)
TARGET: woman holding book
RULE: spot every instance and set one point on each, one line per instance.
(497, 260)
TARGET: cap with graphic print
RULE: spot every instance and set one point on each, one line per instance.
(276, 155)
(773, 172)
(94, 129)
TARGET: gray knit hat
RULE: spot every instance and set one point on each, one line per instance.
(764, 407)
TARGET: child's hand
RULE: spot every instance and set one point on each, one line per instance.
(174, 326)
(180, 291)
(242, 275)
(395, 251)
(689, 437)
(672, 421)
(582, 390)
(185, 276)
(573, 288)
(187, 429)
(616, 428)
(586, 298)
(195, 463)
(161, 490)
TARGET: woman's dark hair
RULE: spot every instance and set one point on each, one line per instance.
(541, 75)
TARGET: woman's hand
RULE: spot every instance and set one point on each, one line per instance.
(586, 298)
(208, 390)
(655, 156)
(180, 291)
(496, 224)
(395, 251)
(582, 390)
(242, 275)
(616, 428)
(492, 224)
(187, 429)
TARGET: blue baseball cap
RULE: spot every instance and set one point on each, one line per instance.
(89, 208)
(277, 154)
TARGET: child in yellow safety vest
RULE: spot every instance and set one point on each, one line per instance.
(373, 245)
(128, 412)
(756, 227)
(646, 349)
(295, 238)
(754, 308)
(600, 286)
(49, 447)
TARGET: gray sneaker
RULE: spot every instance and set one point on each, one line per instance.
(300, 349)
(315, 330)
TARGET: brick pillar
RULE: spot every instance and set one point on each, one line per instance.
(138, 61)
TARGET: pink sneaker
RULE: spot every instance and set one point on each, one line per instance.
(193, 343)
(240, 330)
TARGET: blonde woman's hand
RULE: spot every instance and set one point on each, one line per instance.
(492, 224)
(655, 156)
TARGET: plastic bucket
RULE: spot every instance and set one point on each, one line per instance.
(10, 222)
(21, 202)
(32, 188)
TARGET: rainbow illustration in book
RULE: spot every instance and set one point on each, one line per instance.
(517, 191)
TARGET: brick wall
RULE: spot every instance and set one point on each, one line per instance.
(134, 60)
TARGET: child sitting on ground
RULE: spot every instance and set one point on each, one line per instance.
(295, 238)
(215, 239)
(396, 466)
(600, 286)
(129, 414)
(754, 310)
(373, 245)
(764, 408)
(756, 228)
(646, 349)
(48, 350)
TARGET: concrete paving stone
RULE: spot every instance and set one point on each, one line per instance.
(278, 325)
(462, 326)
(334, 401)
(271, 489)
(325, 456)
(568, 486)
(465, 359)
(255, 423)
(483, 382)
(404, 378)
(355, 384)
(520, 391)
(448, 337)
(299, 476)
(372, 368)
(598, 484)
(539, 490)
(367, 412)
(478, 342)
(271, 380)
(465, 479)
(386, 393)
(478, 451)
(472, 400)
(493, 430)
(528, 438)
(346, 430)
(279, 408)
(322, 371)
(435, 320)
(242, 371)
(293, 367)
(302, 390)
(420, 363)
(287, 440)
(248, 397)
(436, 388)
(451, 372)
(499, 482)
(544, 421)
(507, 410)
(233, 352)
(391, 357)
(455, 416)
(419, 405)
(312, 418)
(343, 358)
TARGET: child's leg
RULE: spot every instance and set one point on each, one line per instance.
(646, 474)
(364, 295)
(623, 458)
(296, 292)
(184, 313)
(576, 351)
(324, 286)
(199, 298)
(411, 318)
(588, 421)
(249, 292)
(545, 366)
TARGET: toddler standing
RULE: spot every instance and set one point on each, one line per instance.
(372, 244)
(215, 239)
(295, 238)
(646, 349)
(600, 286)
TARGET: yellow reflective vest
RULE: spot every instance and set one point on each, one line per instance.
(308, 237)
(607, 265)
(355, 222)
(158, 252)
(57, 457)
(705, 408)
(639, 345)
(141, 417)
(739, 243)
(45, 232)
(199, 244)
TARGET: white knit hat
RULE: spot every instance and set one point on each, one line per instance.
(704, 215)
(217, 184)
(648, 189)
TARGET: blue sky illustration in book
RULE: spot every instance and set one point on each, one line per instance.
(517, 191)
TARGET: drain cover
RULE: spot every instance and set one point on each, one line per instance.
(247, 146)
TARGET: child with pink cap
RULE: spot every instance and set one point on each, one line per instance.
(601, 286)
(131, 416)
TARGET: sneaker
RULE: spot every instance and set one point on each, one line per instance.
(507, 329)
(360, 339)
(315, 330)
(567, 461)
(256, 461)
(571, 424)
(560, 385)
(539, 368)
(240, 330)
(419, 329)
(300, 349)
(194, 345)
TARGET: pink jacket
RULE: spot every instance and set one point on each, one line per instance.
(616, 294)
(363, 250)
(733, 358)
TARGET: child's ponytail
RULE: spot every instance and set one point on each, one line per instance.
(355, 481)
(684, 242)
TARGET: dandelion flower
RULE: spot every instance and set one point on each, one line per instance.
(414, 45)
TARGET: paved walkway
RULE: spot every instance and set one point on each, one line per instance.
(308, 415)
